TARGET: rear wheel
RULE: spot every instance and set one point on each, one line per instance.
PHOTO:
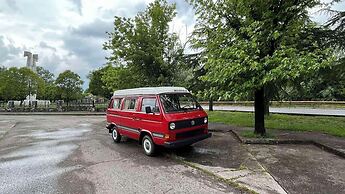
(116, 135)
(148, 146)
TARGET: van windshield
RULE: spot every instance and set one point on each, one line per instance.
(179, 102)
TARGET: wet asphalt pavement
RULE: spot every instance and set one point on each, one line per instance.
(71, 154)
(302, 168)
(75, 154)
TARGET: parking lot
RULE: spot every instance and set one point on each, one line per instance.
(75, 154)
(70, 154)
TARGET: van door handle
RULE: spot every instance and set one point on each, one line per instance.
(136, 119)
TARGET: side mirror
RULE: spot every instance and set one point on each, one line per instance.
(148, 109)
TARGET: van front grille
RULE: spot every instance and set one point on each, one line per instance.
(188, 134)
(189, 123)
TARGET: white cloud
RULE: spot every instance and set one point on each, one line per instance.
(68, 34)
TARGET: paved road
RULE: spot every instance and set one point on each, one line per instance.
(286, 110)
(302, 169)
(67, 154)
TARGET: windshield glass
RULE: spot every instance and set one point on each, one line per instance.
(178, 102)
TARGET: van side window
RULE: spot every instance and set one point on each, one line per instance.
(151, 102)
(116, 103)
(130, 104)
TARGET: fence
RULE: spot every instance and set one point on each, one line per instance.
(101, 105)
(316, 104)
(55, 106)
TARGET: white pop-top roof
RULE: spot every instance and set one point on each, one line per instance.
(150, 90)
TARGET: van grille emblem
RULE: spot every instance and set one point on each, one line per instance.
(192, 122)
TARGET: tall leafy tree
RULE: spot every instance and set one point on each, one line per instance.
(2, 70)
(336, 37)
(327, 83)
(252, 45)
(96, 85)
(116, 78)
(143, 48)
(49, 89)
(69, 86)
(17, 83)
(337, 19)
(45, 74)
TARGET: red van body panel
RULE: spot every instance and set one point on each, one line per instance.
(190, 125)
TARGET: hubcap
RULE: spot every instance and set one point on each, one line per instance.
(114, 134)
(147, 146)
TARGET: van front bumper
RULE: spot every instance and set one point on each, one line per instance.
(185, 142)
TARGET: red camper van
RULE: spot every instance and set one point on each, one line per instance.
(164, 116)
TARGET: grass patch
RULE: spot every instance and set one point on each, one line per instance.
(326, 124)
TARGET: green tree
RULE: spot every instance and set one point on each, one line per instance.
(45, 74)
(327, 83)
(144, 49)
(69, 86)
(96, 85)
(17, 83)
(336, 37)
(337, 19)
(2, 69)
(254, 44)
(49, 89)
(2, 74)
(116, 78)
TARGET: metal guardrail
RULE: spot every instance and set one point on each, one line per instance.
(251, 103)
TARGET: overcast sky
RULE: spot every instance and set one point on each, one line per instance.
(68, 34)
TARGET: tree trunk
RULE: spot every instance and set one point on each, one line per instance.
(259, 106)
(210, 105)
(267, 107)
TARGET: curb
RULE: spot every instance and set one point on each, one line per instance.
(329, 149)
(238, 186)
(288, 141)
(219, 130)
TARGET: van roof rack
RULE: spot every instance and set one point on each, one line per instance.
(150, 90)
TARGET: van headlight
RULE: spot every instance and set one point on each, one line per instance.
(205, 120)
(172, 126)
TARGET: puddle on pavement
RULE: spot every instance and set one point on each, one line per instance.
(204, 156)
(34, 166)
(4, 121)
(208, 151)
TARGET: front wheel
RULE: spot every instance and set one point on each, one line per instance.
(116, 135)
(148, 146)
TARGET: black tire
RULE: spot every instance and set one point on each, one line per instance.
(148, 146)
(116, 135)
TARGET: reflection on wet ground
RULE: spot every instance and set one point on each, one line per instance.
(34, 166)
